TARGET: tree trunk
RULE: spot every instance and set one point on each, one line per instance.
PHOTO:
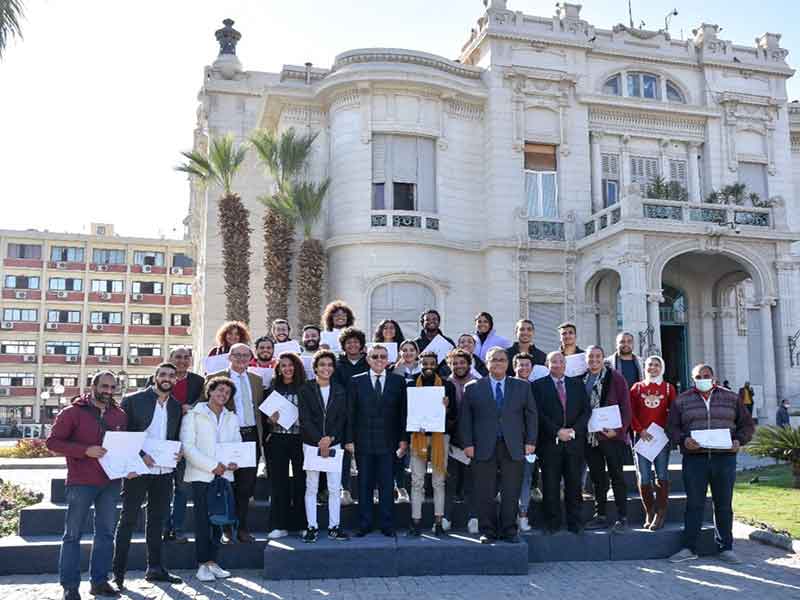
(310, 275)
(278, 241)
(235, 232)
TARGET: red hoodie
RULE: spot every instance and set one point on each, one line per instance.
(76, 428)
(650, 403)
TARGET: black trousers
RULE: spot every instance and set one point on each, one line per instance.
(244, 480)
(376, 469)
(558, 464)
(206, 535)
(611, 454)
(460, 483)
(157, 489)
(485, 479)
(287, 507)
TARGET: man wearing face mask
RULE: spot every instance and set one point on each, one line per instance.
(707, 406)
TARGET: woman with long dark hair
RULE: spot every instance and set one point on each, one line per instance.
(388, 331)
(230, 333)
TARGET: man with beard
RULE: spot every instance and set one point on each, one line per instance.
(430, 321)
(156, 412)
(265, 353)
(78, 434)
(310, 345)
(427, 446)
(625, 361)
(281, 330)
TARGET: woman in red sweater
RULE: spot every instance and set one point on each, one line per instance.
(650, 402)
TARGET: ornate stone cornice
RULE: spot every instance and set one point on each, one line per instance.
(393, 55)
(464, 110)
(647, 123)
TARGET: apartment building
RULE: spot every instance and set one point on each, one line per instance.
(74, 304)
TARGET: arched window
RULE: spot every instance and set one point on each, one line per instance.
(612, 86)
(674, 94)
(402, 301)
(643, 85)
(673, 309)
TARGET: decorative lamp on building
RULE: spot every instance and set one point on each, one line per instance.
(227, 64)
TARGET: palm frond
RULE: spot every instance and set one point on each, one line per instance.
(782, 443)
(285, 156)
(220, 166)
(308, 198)
(11, 13)
(282, 205)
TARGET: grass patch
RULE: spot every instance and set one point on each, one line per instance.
(13, 499)
(771, 501)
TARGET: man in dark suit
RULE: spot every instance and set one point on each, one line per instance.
(248, 397)
(154, 411)
(377, 402)
(498, 424)
(563, 421)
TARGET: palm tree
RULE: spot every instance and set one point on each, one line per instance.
(780, 443)
(11, 13)
(285, 159)
(220, 168)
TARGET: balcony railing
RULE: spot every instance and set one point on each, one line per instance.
(602, 219)
(404, 220)
(670, 210)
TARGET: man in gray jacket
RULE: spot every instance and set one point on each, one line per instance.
(498, 425)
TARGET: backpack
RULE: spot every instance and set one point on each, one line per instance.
(221, 504)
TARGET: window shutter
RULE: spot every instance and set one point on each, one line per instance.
(754, 176)
(378, 158)
(426, 186)
(651, 170)
(404, 159)
(546, 317)
(610, 166)
(678, 172)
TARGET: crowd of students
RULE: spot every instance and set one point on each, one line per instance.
(516, 422)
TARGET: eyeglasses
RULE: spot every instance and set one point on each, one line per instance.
(379, 356)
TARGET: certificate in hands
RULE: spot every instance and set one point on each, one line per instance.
(122, 454)
(459, 455)
(162, 452)
(331, 340)
(290, 346)
(576, 365)
(265, 374)
(288, 411)
(439, 345)
(312, 461)
(606, 417)
(213, 364)
(241, 453)
(713, 439)
(425, 409)
(652, 448)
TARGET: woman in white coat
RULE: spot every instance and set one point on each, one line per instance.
(203, 427)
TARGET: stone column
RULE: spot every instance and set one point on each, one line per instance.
(768, 352)
(787, 324)
(694, 174)
(663, 146)
(625, 167)
(633, 282)
(597, 172)
(654, 300)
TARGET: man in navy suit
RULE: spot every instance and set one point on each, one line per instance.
(563, 421)
(377, 402)
(498, 424)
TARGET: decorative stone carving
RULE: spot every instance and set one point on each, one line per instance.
(227, 37)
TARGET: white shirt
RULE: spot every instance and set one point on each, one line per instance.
(326, 394)
(157, 430)
(374, 377)
(243, 399)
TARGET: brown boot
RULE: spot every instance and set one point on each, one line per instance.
(646, 493)
(662, 497)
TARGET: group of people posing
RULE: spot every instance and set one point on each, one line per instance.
(513, 415)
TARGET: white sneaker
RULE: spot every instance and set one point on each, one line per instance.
(682, 556)
(346, 498)
(446, 524)
(375, 497)
(472, 525)
(523, 524)
(730, 557)
(536, 495)
(218, 571)
(276, 534)
(204, 573)
(402, 496)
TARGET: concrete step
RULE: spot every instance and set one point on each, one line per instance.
(47, 518)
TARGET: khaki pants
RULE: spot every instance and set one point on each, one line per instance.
(419, 468)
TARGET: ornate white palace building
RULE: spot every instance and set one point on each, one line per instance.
(555, 171)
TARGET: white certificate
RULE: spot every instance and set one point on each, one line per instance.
(538, 372)
(331, 340)
(308, 365)
(122, 454)
(162, 452)
(288, 411)
(425, 409)
(439, 345)
(652, 448)
(391, 349)
(459, 455)
(312, 461)
(531, 458)
(241, 453)
(290, 346)
(576, 365)
(607, 417)
(713, 439)
(265, 374)
(214, 364)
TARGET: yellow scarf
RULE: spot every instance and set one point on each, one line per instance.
(419, 441)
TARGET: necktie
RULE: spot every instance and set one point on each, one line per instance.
(378, 388)
(562, 396)
(498, 395)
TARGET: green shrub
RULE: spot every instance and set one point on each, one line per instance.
(27, 448)
(13, 499)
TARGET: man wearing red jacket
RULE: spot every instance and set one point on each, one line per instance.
(78, 435)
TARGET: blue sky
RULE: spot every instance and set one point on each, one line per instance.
(100, 97)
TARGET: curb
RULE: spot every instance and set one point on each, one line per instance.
(23, 465)
(770, 538)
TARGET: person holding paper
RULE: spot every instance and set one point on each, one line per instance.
(247, 397)
(310, 340)
(567, 332)
(523, 367)
(388, 330)
(460, 486)
(377, 402)
(466, 342)
(287, 507)
(499, 427)
(209, 423)
(281, 330)
(77, 434)
(407, 365)
(563, 421)
(230, 333)
(606, 449)
(485, 335)
(524, 332)
(156, 412)
(701, 408)
(324, 424)
(430, 321)
(264, 355)
(336, 316)
(431, 447)
(650, 402)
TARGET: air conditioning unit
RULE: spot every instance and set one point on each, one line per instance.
(103, 359)
(105, 295)
(147, 269)
(71, 358)
(4, 391)
(189, 330)
(61, 265)
(6, 325)
(102, 268)
(97, 327)
(134, 360)
(62, 294)
(21, 295)
(137, 297)
(176, 270)
(29, 358)
(51, 325)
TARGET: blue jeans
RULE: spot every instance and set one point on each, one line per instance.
(80, 499)
(181, 490)
(700, 471)
(527, 481)
(645, 467)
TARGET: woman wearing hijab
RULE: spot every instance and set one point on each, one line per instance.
(485, 335)
(650, 402)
